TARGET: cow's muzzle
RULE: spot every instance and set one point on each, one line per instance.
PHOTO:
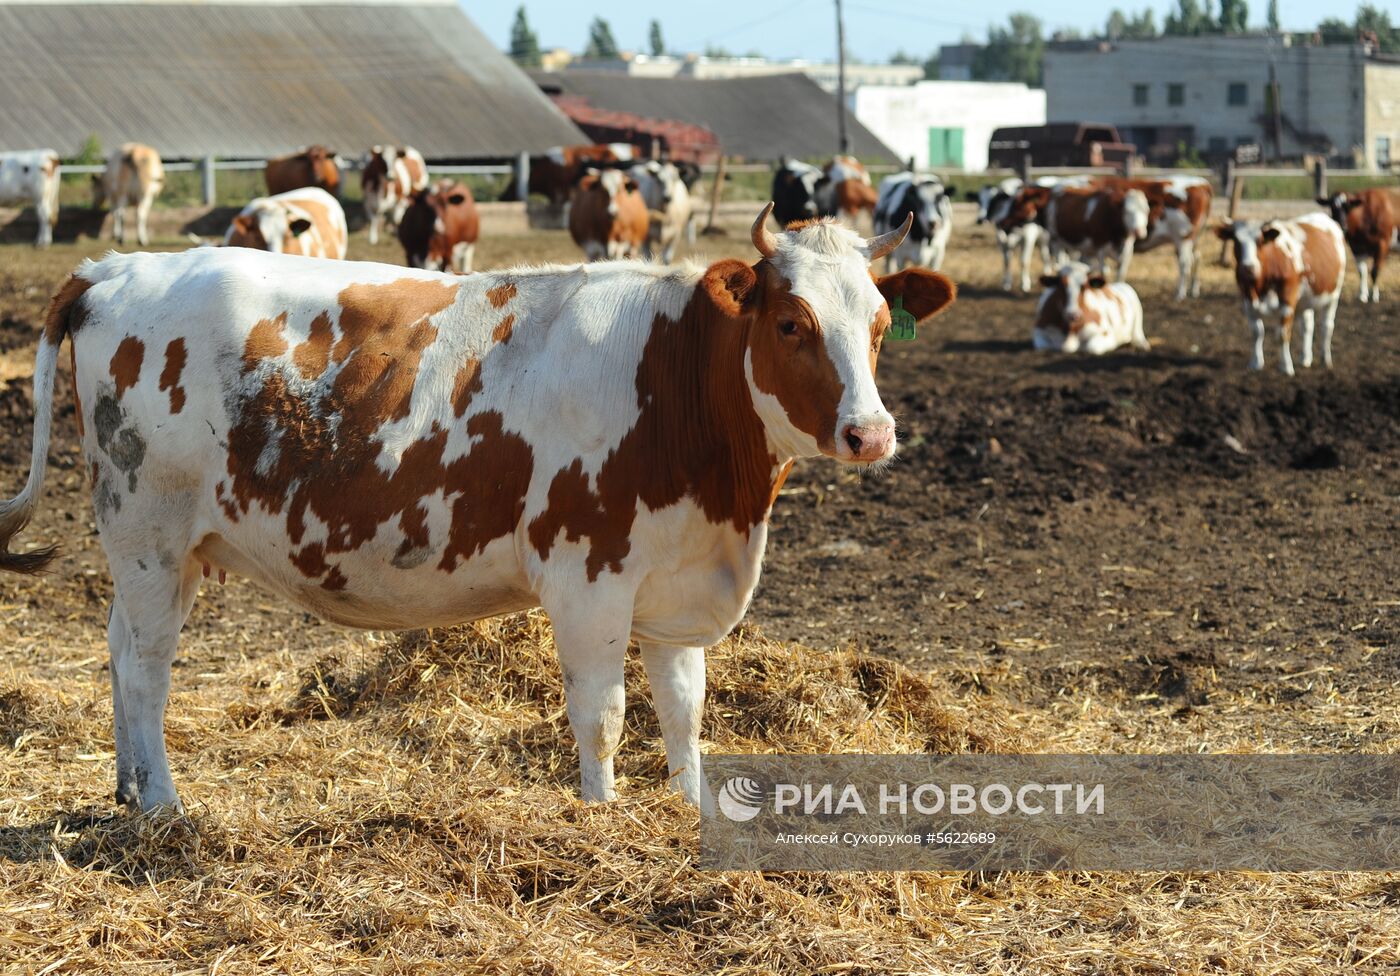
(867, 443)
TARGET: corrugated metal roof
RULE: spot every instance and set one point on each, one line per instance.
(260, 79)
(758, 118)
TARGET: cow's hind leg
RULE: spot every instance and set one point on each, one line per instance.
(150, 608)
(1329, 321)
(1363, 270)
(1185, 259)
(1308, 338)
(677, 679)
(1285, 339)
(591, 634)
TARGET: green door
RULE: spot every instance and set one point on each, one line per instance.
(945, 147)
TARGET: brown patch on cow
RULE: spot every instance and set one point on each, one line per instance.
(697, 436)
(321, 223)
(1323, 263)
(314, 355)
(283, 457)
(244, 231)
(65, 316)
(465, 386)
(126, 363)
(175, 357)
(500, 294)
(501, 333)
(783, 473)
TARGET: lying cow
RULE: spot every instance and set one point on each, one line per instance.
(1284, 268)
(31, 176)
(1080, 312)
(134, 178)
(306, 221)
(926, 202)
(312, 166)
(1370, 221)
(607, 216)
(439, 229)
(667, 201)
(390, 178)
(1014, 239)
(390, 448)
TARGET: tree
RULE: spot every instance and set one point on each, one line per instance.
(1271, 18)
(931, 67)
(1190, 19)
(601, 45)
(1012, 53)
(1143, 27)
(658, 43)
(904, 57)
(524, 43)
(1374, 19)
(1116, 26)
(1234, 16)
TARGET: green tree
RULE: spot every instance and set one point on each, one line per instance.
(904, 57)
(601, 45)
(1271, 18)
(1369, 18)
(1143, 27)
(1116, 26)
(1234, 16)
(931, 66)
(1012, 53)
(1189, 19)
(658, 43)
(1334, 30)
(524, 42)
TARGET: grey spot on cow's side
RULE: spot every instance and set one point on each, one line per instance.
(124, 445)
(141, 563)
(413, 558)
(105, 500)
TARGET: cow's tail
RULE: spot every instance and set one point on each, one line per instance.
(16, 512)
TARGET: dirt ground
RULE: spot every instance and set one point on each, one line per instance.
(1152, 551)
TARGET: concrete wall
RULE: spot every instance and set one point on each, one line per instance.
(901, 117)
(1382, 111)
(1322, 90)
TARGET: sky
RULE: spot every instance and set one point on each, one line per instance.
(875, 29)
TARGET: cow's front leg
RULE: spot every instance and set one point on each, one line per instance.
(1256, 327)
(1363, 270)
(677, 679)
(1285, 339)
(591, 631)
(1308, 338)
(1185, 252)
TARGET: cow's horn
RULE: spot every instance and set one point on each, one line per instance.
(885, 243)
(763, 238)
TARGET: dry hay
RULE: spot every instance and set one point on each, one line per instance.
(411, 808)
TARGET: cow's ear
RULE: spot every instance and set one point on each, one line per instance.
(924, 292)
(299, 226)
(1269, 234)
(1324, 202)
(1224, 231)
(951, 190)
(1353, 204)
(732, 286)
(1097, 281)
(457, 199)
(1049, 280)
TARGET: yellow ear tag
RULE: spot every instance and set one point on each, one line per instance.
(901, 322)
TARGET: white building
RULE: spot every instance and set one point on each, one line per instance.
(947, 124)
(698, 66)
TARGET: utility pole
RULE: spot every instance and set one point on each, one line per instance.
(841, 82)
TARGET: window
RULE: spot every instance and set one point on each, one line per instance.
(1216, 144)
(1383, 152)
(1238, 93)
(1176, 94)
(1139, 94)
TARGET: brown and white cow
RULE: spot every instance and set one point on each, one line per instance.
(1082, 220)
(1177, 210)
(1370, 221)
(134, 178)
(607, 216)
(1287, 267)
(391, 448)
(311, 166)
(389, 179)
(1080, 312)
(308, 221)
(555, 173)
(32, 176)
(851, 189)
(440, 227)
(667, 199)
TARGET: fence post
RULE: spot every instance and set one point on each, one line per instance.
(206, 170)
(1024, 170)
(1235, 184)
(1129, 166)
(1320, 178)
(522, 177)
(714, 195)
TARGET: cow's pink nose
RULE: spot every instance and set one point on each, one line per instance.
(869, 443)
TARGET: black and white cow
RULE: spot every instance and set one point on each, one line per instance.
(801, 192)
(1023, 239)
(930, 204)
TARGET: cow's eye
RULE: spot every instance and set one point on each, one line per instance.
(788, 327)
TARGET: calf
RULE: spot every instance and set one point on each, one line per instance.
(390, 448)
(904, 196)
(439, 230)
(312, 166)
(667, 201)
(134, 178)
(31, 176)
(308, 221)
(1080, 312)
(1287, 267)
(390, 178)
(1370, 221)
(607, 217)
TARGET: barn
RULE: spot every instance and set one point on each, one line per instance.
(254, 78)
(757, 119)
